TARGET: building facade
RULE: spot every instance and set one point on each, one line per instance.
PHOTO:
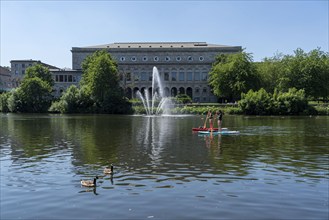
(18, 68)
(64, 78)
(183, 66)
(5, 79)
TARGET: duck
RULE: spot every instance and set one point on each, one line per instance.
(109, 170)
(89, 183)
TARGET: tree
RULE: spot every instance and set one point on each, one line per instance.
(33, 95)
(233, 74)
(270, 71)
(101, 81)
(308, 71)
(41, 72)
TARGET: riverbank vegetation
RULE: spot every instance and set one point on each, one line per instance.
(281, 85)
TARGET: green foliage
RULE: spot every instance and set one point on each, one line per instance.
(4, 102)
(260, 102)
(233, 74)
(322, 110)
(74, 100)
(270, 72)
(292, 102)
(307, 71)
(100, 81)
(33, 95)
(182, 99)
(256, 103)
(40, 72)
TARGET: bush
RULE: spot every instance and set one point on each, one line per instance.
(292, 102)
(256, 103)
(4, 102)
(182, 99)
(260, 102)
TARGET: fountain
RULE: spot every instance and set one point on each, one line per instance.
(154, 103)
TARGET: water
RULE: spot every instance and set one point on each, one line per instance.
(276, 168)
(156, 102)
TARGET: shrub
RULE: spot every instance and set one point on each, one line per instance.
(260, 102)
(292, 102)
(4, 102)
(182, 99)
(256, 103)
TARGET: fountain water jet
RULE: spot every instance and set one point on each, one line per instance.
(156, 97)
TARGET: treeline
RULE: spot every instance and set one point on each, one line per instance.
(99, 90)
(282, 84)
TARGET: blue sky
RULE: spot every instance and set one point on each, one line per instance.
(47, 30)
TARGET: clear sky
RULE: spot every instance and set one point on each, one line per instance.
(47, 30)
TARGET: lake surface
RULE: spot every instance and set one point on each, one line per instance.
(278, 167)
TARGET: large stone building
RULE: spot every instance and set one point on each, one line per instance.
(183, 66)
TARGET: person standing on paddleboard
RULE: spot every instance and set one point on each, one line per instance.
(210, 120)
(219, 120)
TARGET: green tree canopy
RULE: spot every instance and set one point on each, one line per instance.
(233, 74)
(41, 72)
(101, 81)
(33, 95)
(308, 71)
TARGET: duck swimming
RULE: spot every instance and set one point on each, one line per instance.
(108, 170)
(89, 183)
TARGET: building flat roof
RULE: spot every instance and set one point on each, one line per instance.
(158, 45)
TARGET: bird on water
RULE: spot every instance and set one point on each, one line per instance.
(89, 183)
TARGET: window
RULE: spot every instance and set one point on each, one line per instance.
(144, 58)
(133, 59)
(61, 79)
(201, 58)
(197, 76)
(23, 65)
(156, 58)
(122, 58)
(189, 76)
(136, 77)
(204, 90)
(56, 78)
(181, 76)
(178, 58)
(69, 78)
(189, 58)
(166, 76)
(23, 72)
(128, 76)
(144, 76)
(174, 76)
(204, 76)
(167, 58)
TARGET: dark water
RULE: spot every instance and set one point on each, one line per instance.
(278, 167)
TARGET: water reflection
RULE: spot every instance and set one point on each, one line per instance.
(158, 158)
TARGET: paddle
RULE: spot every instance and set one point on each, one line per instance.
(205, 122)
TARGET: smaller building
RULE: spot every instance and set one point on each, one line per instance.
(63, 79)
(5, 79)
(18, 68)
